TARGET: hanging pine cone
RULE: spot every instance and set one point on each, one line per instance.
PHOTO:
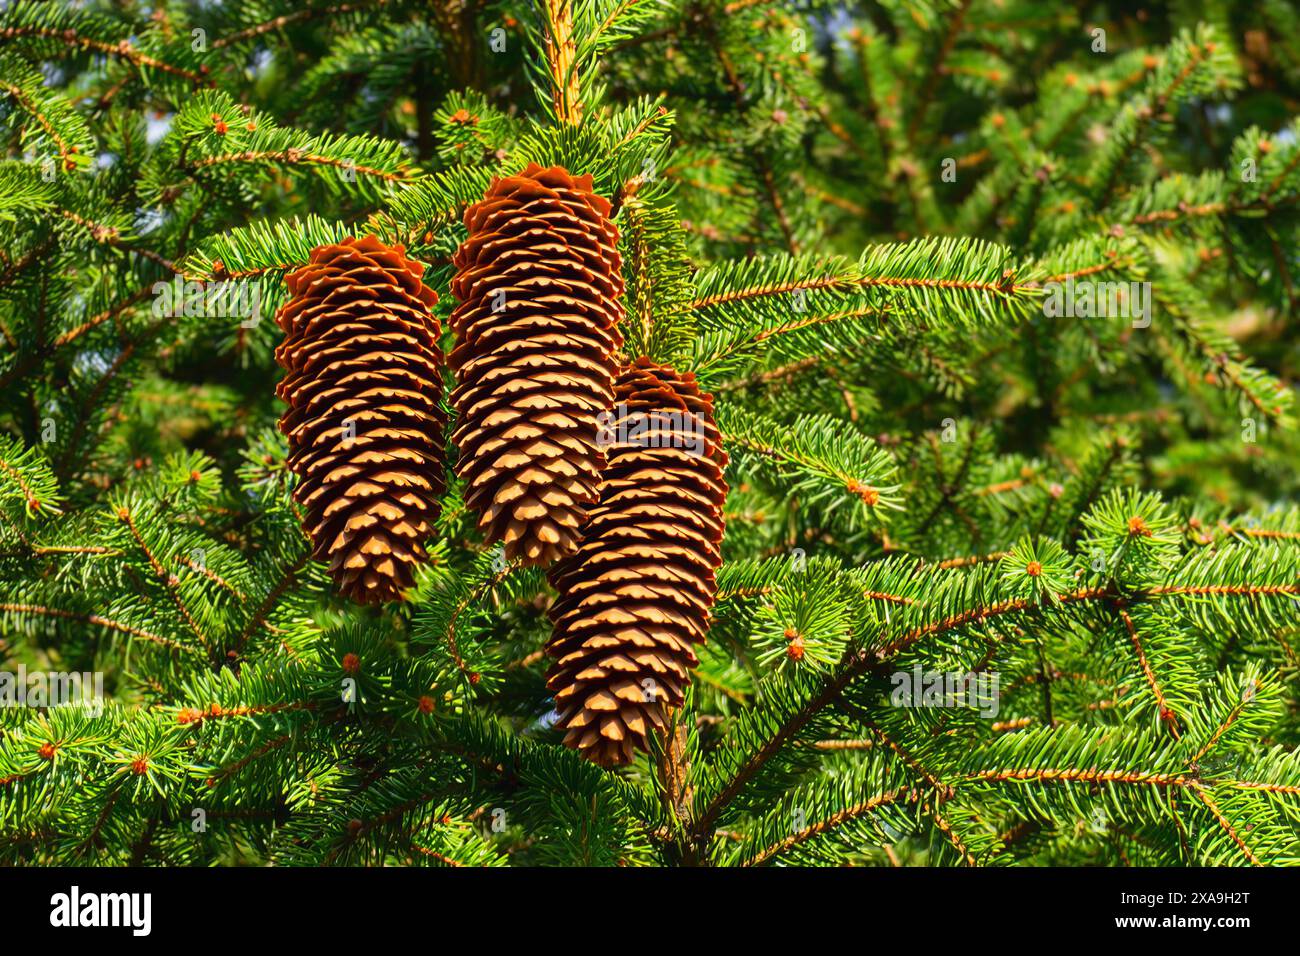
(637, 594)
(539, 281)
(363, 383)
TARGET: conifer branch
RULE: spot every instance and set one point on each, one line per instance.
(294, 157)
(561, 56)
(123, 49)
(99, 621)
(823, 826)
(307, 12)
(931, 474)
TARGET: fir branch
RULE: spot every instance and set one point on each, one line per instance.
(123, 49)
(99, 621)
(307, 12)
(561, 58)
(839, 818)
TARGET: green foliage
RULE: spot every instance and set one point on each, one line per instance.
(1077, 532)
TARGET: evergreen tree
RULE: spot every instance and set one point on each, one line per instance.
(997, 304)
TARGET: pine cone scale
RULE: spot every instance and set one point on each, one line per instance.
(635, 598)
(364, 419)
(536, 331)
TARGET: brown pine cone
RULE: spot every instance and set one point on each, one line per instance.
(638, 592)
(539, 281)
(365, 426)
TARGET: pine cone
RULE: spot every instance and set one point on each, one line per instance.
(365, 426)
(637, 594)
(539, 281)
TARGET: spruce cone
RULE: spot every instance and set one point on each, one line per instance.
(637, 594)
(363, 383)
(539, 283)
